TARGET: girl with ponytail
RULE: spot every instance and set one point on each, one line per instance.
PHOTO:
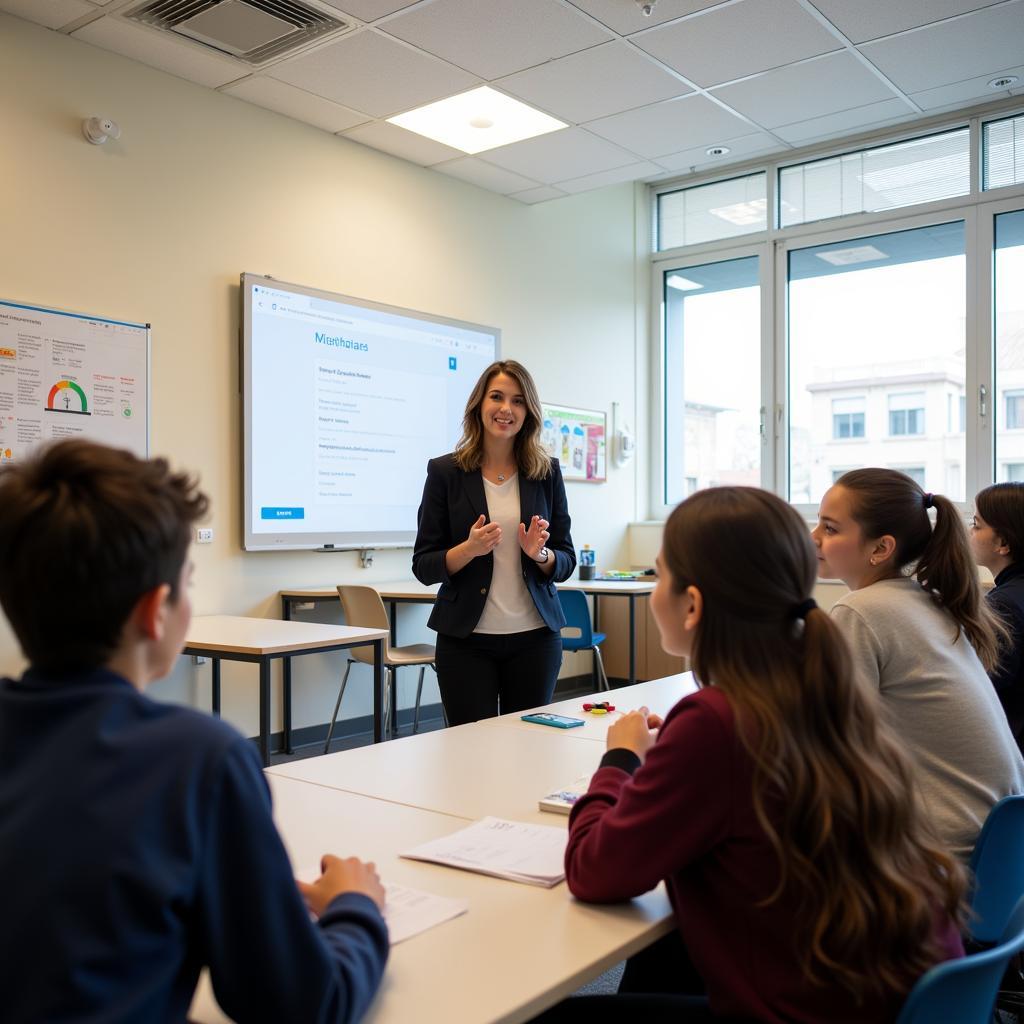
(920, 632)
(774, 802)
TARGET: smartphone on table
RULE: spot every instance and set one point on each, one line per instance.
(557, 721)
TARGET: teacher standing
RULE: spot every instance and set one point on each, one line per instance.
(493, 530)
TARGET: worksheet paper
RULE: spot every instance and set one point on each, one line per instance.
(409, 911)
(534, 854)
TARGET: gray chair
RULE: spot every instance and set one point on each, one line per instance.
(363, 607)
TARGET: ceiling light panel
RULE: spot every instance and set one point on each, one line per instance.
(478, 120)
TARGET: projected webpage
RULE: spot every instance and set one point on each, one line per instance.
(348, 404)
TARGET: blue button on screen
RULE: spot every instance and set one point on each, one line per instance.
(452, 363)
(272, 512)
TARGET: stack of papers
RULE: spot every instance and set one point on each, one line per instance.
(410, 911)
(534, 854)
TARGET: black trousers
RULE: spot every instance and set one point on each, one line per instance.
(485, 674)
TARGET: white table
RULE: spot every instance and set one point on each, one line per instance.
(659, 696)
(518, 950)
(411, 591)
(239, 638)
(470, 770)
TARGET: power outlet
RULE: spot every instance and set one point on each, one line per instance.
(204, 535)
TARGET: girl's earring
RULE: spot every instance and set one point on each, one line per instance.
(873, 561)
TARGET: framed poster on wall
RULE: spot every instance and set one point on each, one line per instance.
(578, 439)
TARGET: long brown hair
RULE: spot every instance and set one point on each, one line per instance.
(531, 457)
(885, 501)
(1002, 507)
(832, 789)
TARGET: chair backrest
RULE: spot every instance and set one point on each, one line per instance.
(997, 864)
(363, 607)
(577, 615)
(965, 990)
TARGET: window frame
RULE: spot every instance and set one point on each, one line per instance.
(977, 210)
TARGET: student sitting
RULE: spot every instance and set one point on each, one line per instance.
(774, 802)
(136, 841)
(920, 632)
(997, 540)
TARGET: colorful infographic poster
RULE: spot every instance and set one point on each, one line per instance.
(577, 438)
(71, 375)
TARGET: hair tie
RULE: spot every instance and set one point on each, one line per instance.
(929, 500)
(801, 610)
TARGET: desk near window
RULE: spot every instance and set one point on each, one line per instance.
(411, 591)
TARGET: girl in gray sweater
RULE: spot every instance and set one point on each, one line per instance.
(920, 632)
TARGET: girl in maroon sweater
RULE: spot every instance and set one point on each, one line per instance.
(774, 802)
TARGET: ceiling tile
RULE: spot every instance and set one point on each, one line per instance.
(953, 51)
(813, 89)
(303, 106)
(862, 21)
(626, 18)
(857, 119)
(594, 83)
(975, 90)
(557, 156)
(476, 172)
(369, 10)
(50, 13)
(162, 50)
(616, 176)
(493, 38)
(729, 42)
(398, 142)
(370, 72)
(670, 126)
(538, 195)
(697, 158)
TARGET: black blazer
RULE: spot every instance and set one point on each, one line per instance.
(452, 502)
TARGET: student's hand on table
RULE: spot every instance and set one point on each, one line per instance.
(483, 537)
(340, 876)
(636, 731)
(535, 539)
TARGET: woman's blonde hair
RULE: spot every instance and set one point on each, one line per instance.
(532, 459)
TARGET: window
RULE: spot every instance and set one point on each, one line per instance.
(837, 473)
(1014, 410)
(1013, 472)
(956, 413)
(884, 178)
(712, 417)
(1002, 153)
(847, 417)
(880, 318)
(704, 213)
(916, 473)
(906, 414)
(1008, 330)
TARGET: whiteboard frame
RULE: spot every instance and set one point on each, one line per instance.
(76, 314)
(337, 540)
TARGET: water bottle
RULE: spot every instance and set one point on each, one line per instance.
(587, 563)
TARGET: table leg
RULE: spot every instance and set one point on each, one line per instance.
(215, 685)
(265, 711)
(378, 691)
(286, 682)
(632, 639)
(393, 620)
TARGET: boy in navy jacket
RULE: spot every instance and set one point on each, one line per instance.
(136, 840)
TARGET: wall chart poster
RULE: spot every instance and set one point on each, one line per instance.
(577, 438)
(70, 375)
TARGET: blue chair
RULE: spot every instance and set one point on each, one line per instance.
(997, 867)
(965, 990)
(581, 635)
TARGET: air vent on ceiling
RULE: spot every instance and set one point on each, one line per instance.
(254, 31)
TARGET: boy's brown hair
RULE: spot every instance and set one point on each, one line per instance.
(85, 531)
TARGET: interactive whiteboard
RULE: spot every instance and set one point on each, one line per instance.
(66, 374)
(344, 401)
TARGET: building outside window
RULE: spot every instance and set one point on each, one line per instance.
(1014, 410)
(906, 414)
(916, 473)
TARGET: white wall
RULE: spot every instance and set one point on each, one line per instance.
(201, 186)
